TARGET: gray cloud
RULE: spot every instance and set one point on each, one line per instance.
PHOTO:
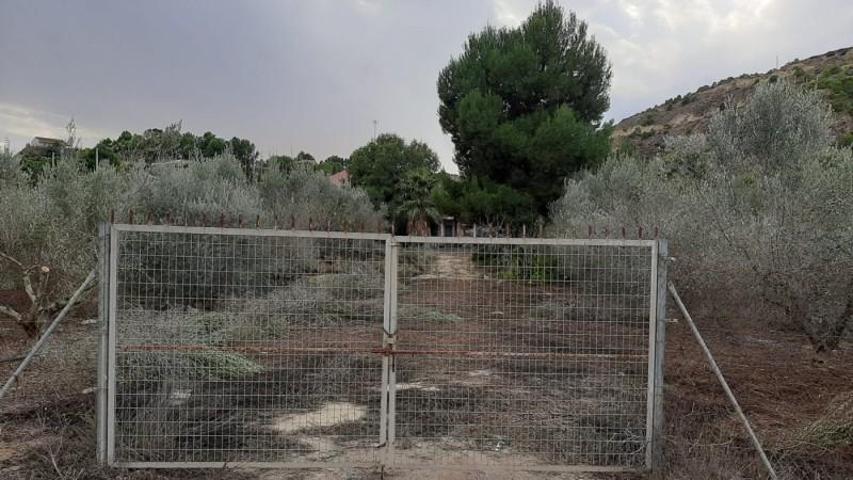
(313, 75)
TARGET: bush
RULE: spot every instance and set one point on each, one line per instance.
(52, 224)
(138, 370)
(197, 191)
(353, 294)
(48, 232)
(774, 130)
(306, 199)
(761, 207)
(834, 429)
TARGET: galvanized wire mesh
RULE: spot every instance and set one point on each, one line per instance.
(246, 347)
(530, 356)
(798, 401)
(317, 349)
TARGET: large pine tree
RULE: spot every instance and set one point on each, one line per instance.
(524, 105)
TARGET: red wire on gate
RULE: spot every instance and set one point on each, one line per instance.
(386, 351)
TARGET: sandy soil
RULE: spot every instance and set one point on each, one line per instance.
(329, 414)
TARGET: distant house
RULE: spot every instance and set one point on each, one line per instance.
(340, 179)
(50, 143)
(44, 148)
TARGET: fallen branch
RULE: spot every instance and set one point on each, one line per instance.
(10, 313)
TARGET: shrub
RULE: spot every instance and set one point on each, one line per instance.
(833, 429)
(137, 370)
(204, 189)
(353, 296)
(774, 130)
(762, 206)
(48, 230)
(361, 282)
(307, 199)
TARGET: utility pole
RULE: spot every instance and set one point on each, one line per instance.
(374, 129)
(97, 160)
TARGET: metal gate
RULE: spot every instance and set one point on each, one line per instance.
(278, 348)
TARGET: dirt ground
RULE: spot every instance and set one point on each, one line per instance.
(47, 424)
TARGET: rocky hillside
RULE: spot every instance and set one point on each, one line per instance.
(831, 73)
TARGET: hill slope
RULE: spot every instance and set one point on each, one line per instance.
(831, 73)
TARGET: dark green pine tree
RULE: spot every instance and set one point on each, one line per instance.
(524, 105)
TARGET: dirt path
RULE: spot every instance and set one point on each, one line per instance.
(458, 266)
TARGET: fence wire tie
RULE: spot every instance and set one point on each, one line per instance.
(389, 336)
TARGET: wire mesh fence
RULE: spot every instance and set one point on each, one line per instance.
(244, 347)
(531, 355)
(459, 409)
(316, 349)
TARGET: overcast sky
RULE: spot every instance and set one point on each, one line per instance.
(314, 75)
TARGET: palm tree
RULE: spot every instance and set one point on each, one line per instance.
(417, 206)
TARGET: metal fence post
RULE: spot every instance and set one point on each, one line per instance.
(110, 350)
(46, 335)
(103, 321)
(389, 327)
(386, 330)
(660, 349)
(392, 324)
(728, 391)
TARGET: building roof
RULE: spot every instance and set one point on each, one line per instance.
(339, 179)
(48, 141)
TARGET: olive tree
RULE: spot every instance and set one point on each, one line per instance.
(48, 230)
(760, 204)
(47, 233)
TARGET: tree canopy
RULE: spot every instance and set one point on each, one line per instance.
(333, 164)
(479, 200)
(524, 106)
(169, 143)
(381, 166)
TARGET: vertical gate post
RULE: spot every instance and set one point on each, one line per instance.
(386, 330)
(103, 321)
(389, 327)
(111, 328)
(660, 348)
(392, 324)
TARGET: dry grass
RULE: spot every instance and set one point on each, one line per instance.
(800, 405)
(66, 450)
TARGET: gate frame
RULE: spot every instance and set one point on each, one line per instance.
(106, 402)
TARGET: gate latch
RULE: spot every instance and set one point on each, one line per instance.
(388, 341)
